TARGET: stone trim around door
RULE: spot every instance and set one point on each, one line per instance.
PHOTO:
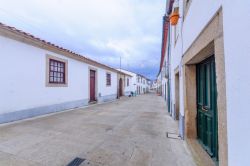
(122, 77)
(177, 94)
(47, 83)
(209, 42)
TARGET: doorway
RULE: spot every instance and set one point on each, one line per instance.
(120, 87)
(207, 129)
(168, 96)
(165, 92)
(177, 96)
(92, 87)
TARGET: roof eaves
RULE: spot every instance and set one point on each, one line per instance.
(44, 43)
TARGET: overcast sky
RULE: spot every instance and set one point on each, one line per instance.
(103, 30)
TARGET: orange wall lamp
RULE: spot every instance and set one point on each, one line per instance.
(174, 17)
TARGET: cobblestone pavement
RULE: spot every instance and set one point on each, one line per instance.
(127, 132)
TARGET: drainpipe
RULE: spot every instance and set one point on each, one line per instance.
(181, 75)
(169, 69)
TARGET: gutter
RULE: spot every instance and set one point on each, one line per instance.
(19, 35)
(169, 6)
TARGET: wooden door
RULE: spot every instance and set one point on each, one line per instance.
(120, 87)
(207, 107)
(92, 86)
(177, 96)
(168, 96)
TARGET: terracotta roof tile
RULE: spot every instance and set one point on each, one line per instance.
(20, 32)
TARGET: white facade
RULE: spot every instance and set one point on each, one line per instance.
(23, 86)
(236, 58)
(131, 86)
(154, 86)
(141, 84)
(149, 85)
(138, 84)
(164, 80)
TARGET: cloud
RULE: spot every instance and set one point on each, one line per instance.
(102, 30)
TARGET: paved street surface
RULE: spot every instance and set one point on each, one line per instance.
(128, 132)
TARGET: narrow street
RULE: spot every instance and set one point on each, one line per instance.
(127, 132)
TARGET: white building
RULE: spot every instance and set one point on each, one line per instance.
(38, 77)
(154, 85)
(141, 83)
(130, 82)
(207, 54)
(149, 85)
(124, 85)
(138, 84)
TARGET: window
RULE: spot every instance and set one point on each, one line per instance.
(56, 72)
(127, 81)
(108, 79)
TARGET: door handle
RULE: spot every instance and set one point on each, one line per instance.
(203, 109)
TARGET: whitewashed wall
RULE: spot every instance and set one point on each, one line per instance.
(198, 16)
(103, 89)
(23, 73)
(236, 25)
(142, 83)
(128, 88)
(237, 48)
(132, 81)
(164, 88)
(176, 56)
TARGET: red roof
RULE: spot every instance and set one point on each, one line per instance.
(164, 40)
(169, 7)
(27, 35)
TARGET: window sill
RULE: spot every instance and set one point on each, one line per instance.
(56, 85)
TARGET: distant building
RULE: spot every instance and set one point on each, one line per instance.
(138, 84)
(124, 84)
(154, 85)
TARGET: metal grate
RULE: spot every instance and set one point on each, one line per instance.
(76, 162)
(173, 135)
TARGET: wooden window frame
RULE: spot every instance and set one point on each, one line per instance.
(56, 72)
(50, 83)
(108, 79)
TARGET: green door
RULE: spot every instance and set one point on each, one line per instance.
(207, 107)
(168, 97)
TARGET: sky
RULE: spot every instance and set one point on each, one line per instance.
(103, 30)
